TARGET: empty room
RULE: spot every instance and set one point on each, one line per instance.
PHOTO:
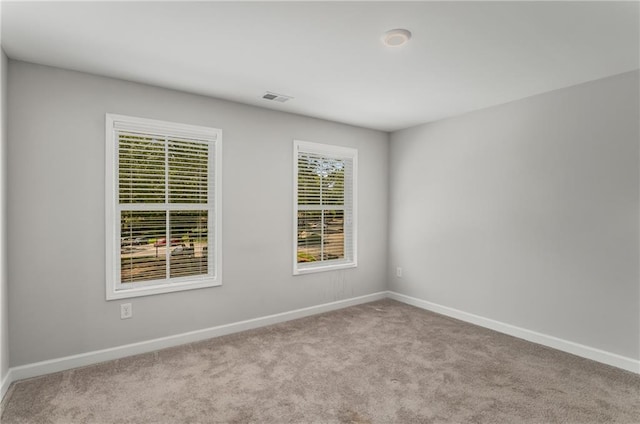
(319, 212)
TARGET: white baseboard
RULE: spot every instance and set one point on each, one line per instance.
(4, 385)
(89, 358)
(594, 354)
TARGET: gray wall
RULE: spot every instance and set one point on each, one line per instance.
(56, 204)
(526, 213)
(4, 304)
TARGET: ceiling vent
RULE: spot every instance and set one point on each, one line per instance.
(276, 97)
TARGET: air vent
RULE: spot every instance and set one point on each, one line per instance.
(276, 97)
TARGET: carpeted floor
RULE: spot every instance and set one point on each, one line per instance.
(382, 362)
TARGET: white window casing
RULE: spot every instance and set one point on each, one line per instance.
(163, 222)
(324, 207)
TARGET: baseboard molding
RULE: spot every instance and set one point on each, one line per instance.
(4, 385)
(577, 349)
(89, 358)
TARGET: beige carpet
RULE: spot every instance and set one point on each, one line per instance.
(383, 362)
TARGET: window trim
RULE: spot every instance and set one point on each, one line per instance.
(114, 122)
(339, 152)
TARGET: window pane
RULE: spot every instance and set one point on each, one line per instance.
(333, 183)
(189, 235)
(141, 174)
(320, 180)
(308, 181)
(188, 171)
(309, 236)
(142, 246)
(334, 234)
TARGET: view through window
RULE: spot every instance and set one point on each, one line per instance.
(324, 207)
(164, 183)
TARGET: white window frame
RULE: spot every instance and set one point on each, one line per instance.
(334, 152)
(114, 289)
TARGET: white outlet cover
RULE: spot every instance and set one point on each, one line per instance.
(126, 311)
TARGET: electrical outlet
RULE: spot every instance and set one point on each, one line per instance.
(126, 311)
(399, 272)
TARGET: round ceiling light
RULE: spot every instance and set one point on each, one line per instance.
(396, 37)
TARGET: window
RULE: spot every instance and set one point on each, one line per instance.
(324, 207)
(162, 206)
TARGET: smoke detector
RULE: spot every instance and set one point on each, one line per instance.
(396, 37)
(276, 97)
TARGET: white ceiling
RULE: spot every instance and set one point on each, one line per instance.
(328, 55)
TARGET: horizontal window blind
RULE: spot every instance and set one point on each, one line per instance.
(141, 169)
(190, 256)
(188, 171)
(165, 204)
(163, 173)
(324, 208)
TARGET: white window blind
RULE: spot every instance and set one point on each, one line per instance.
(164, 220)
(324, 207)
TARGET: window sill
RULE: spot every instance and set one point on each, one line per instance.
(322, 268)
(161, 288)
